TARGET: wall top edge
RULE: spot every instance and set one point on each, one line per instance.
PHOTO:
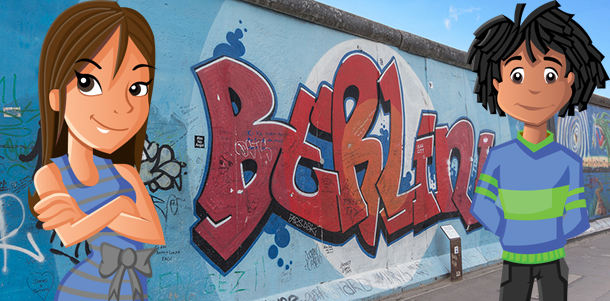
(331, 17)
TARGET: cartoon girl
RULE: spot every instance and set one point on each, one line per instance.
(95, 85)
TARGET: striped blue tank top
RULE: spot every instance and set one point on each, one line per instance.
(83, 281)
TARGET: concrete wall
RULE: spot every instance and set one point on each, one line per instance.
(287, 160)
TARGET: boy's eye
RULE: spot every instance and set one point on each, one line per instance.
(88, 84)
(138, 89)
(517, 75)
(550, 75)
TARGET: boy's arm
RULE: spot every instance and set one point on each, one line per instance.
(484, 207)
(576, 218)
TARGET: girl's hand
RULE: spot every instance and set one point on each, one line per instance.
(58, 209)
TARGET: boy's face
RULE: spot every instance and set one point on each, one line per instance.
(533, 92)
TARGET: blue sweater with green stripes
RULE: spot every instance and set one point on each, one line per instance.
(532, 197)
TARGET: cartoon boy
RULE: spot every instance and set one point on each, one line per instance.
(530, 192)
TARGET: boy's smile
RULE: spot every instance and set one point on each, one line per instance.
(532, 92)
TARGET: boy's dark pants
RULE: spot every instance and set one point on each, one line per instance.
(518, 280)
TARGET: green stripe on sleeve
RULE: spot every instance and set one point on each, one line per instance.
(489, 179)
(582, 203)
(485, 192)
(576, 191)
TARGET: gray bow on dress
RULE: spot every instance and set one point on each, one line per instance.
(118, 260)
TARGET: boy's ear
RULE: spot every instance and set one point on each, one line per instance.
(570, 78)
(54, 100)
(496, 84)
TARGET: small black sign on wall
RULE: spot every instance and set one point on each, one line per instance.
(199, 141)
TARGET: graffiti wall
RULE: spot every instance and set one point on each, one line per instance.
(290, 162)
(585, 133)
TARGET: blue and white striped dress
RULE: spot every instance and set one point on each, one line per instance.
(83, 281)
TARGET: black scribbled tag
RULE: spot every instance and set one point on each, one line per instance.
(199, 141)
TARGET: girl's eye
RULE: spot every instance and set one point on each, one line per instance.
(517, 75)
(138, 89)
(88, 84)
(550, 75)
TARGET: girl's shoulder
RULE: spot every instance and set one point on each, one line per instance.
(48, 179)
(127, 171)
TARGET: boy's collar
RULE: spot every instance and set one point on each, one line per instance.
(536, 146)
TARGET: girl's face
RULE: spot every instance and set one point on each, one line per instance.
(104, 110)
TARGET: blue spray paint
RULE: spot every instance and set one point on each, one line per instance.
(381, 131)
(405, 182)
(235, 48)
(277, 227)
(282, 238)
(273, 251)
(455, 165)
(245, 29)
(304, 179)
(473, 175)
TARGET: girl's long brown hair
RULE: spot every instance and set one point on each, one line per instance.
(80, 32)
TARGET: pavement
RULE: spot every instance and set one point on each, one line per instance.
(588, 258)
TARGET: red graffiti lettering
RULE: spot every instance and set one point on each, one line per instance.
(258, 166)
(398, 206)
(354, 106)
(486, 141)
(236, 188)
(318, 207)
(460, 143)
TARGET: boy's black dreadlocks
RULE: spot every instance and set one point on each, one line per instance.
(546, 27)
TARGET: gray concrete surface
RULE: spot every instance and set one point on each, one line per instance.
(587, 257)
(328, 16)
